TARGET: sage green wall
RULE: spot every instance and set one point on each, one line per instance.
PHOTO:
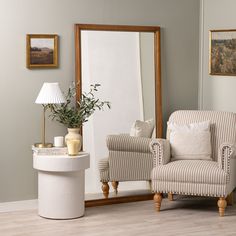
(20, 117)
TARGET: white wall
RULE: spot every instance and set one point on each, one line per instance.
(20, 117)
(111, 59)
(148, 74)
(216, 92)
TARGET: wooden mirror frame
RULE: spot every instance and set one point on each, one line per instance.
(157, 64)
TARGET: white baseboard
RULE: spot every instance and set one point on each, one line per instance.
(19, 205)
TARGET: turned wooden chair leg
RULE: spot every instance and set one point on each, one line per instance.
(105, 189)
(230, 199)
(115, 185)
(157, 199)
(222, 205)
(170, 196)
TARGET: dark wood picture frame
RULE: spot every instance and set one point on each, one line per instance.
(222, 52)
(41, 51)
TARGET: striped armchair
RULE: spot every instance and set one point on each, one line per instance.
(215, 178)
(130, 159)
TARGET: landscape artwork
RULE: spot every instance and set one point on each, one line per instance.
(41, 51)
(222, 52)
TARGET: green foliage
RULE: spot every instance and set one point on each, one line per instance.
(73, 115)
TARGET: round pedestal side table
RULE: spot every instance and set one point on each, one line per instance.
(61, 185)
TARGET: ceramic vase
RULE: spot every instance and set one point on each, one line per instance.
(73, 134)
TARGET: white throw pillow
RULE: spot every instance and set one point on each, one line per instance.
(142, 128)
(190, 142)
(201, 126)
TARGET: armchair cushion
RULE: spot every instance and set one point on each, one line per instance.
(190, 171)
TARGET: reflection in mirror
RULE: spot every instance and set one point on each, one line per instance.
(123, 63)
(125, 60)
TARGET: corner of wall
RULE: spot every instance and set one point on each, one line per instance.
(201, 51)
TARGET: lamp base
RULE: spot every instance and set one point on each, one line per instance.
(43, 145)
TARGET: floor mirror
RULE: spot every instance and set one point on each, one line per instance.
(126, 62)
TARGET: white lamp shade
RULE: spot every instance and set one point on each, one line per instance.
(50, 93)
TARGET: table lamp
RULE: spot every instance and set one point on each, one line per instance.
(50, 93)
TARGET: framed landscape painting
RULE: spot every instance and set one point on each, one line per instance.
(41, 50)
(222, 53)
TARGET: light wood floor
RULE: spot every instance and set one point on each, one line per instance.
(185, 217)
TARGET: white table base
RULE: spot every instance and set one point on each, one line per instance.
(61, 185)
(61, 195)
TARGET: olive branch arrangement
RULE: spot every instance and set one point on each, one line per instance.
(73, 113)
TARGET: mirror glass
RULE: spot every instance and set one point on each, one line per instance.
(126, 62)
(123, 63)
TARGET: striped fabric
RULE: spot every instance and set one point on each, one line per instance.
(128, 143)
(199, 177)
(161, 151)
(226, 151)
(130, 159)
(103, 167)
(223, 125)
(197, 189)
(193, 171)
(129, 166)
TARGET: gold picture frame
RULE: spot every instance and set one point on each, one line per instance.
(222, 52)
(41, 51)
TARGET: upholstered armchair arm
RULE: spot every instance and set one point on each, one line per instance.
(161, 151)
(129, 158)
(226, 152)
(103, 167)
(127, 143)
